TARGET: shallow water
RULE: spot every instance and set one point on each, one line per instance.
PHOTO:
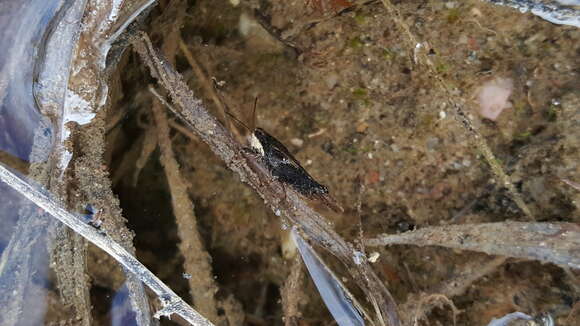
(23, 228)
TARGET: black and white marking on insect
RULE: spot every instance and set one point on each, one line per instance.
(283, 165)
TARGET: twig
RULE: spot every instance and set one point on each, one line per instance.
(172, 303)
(571, 183)
(205, 82)
(197, 261)
(284, 201)
(276, 33)
(432, 300)
(417, 309)
(261, 301)
(474, 270)
(420, 57)
(361, 189)
(134, 160)
(183, 130)
(292, 293)
(557, 243)
(148, 146)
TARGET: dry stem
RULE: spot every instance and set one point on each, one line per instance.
(284, 201)
(433, 300)
(417, 309)
(557, 243)
(173, 304)
(205, 82)
(197, 261)
(292, 293)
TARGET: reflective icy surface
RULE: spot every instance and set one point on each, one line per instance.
(18, 41)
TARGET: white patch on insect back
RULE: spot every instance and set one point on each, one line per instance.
(255, 144)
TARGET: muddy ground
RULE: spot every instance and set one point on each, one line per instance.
(338, 84)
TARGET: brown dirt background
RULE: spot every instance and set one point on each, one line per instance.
(349, 103)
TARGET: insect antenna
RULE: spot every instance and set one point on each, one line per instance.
(229, 114)
(254, 114)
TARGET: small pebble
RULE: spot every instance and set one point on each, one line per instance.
(362, 127)
(374, 257)
(297, 142)
(331, 80)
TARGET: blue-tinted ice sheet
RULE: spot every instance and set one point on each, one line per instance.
(23, 24)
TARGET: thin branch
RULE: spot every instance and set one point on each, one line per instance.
(474, 270)
(433, 300)
(284, 201)
(172, 303)
(197, 263)
(571, 183)
(416, 308)
(420, 57)
(292, 293)
(205, 82)
(183, 130)
(557, 243)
